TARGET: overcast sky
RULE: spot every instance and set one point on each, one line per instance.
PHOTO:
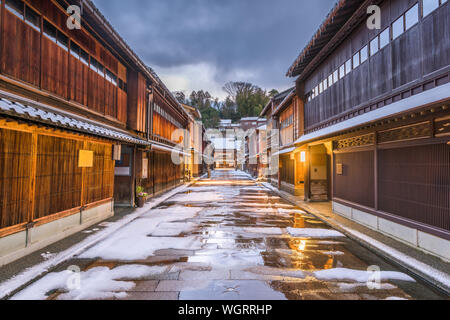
(202, 44)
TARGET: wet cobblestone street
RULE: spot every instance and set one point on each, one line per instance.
(228, 238)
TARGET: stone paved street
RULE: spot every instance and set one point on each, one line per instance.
(227, 238)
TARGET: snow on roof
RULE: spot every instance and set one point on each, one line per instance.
(224, 143)
(262, 128)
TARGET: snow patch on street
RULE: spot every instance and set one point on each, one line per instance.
(94, 284)
(7, 287)
(333, 253)
(438, 276)
(133, 242)
(198, 197)
(342, 274)
(173, 229)
(268, 231)
(314, 233)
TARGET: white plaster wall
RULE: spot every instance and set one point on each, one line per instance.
(423, 241)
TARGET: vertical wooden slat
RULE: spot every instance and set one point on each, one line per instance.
(33, 166)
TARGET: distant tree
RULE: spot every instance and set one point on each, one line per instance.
(273, 93)
(204, 102)
(249, 99)
(180, 96)
(228, 110)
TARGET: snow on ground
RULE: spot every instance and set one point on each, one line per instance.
(228, 258)
(255, 188)
(333, 253)
(48, 255)
(260, 211)
(292, 211)
(256, 197)
(363, 276)
(259, 205)
(133, 242)
(173, 229)
(198, 197)
(7, 287)
(314, 233)
(439, 276)
(137, 247)
(268, 231)
(96, 283)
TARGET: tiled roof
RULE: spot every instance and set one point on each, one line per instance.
(278, 97)
(59, 119)
(281, 106)
(336, 19)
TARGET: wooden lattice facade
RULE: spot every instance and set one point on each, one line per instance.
(376, 118)
(83, 123)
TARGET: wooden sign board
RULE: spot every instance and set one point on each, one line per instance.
(117, 152)
(339, 169)
(86, 159)
(144, 167)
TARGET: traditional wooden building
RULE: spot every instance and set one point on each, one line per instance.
(288, 116)
(198, 145)
(254, 130)
(284, 115)
(225, 151)
(83, 122)
(377, 119)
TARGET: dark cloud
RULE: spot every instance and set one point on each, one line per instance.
(254, 39)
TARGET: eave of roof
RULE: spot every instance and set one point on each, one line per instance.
(13, 106)
(426, 98)
(277, 97)
(335, 20)
(284, 103)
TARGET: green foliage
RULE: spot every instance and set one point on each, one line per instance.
(204, 102)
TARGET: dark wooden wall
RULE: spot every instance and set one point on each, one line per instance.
(15, 169)
(137, 102)
(162, 126)
(20, 57)
(31, 57)
(287, 169)
(166, 174)
(356, 184)
(401, 174)
(58, 178)
(55, 78)
(414, 183)
(99, 180)
(412, 58)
